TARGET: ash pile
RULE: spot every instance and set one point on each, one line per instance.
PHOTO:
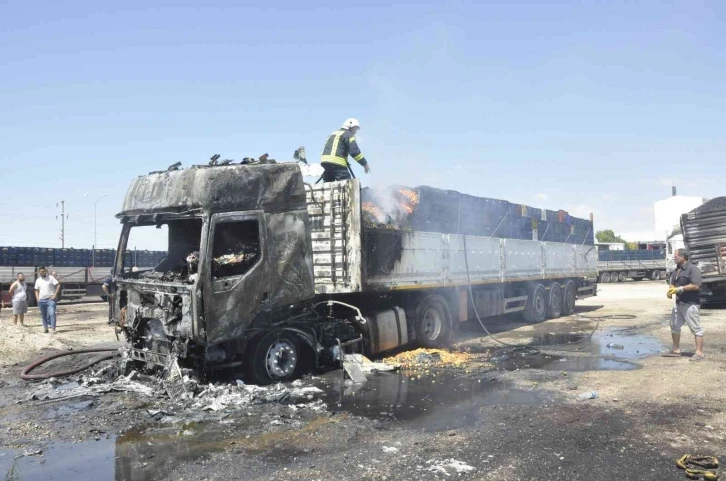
(177, 391)
(427, 209)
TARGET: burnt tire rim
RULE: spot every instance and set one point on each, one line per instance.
(281, 359)
(432, 324)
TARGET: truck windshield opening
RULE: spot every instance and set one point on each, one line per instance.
(180, 238)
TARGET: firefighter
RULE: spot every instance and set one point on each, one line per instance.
(339, 145)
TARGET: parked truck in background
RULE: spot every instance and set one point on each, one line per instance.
(621, 265)
(271, 276)
(81, 272)
(704, 234)
(76, 282)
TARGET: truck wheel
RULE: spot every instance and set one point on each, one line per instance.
(623, 276)
(605, 277)
(276, 357)
(554, 306)
(568, 299)
(536, 310)
(433, 322)
(654, 275)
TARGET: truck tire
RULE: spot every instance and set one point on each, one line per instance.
(568, 299)
(605, 277)
(536, 310)
(554, 306)
(654, 275)
(622, 276)
(276, 357)
(433, 322)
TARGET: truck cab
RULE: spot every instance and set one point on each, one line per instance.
(239, 259)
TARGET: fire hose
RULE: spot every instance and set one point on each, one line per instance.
(25, 374)
(690, 465)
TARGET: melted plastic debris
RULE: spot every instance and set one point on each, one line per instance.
(423, 358)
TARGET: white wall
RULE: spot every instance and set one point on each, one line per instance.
(668, 212)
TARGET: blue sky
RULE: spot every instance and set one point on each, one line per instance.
(586, 106)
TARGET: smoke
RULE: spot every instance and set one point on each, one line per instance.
(388, 206)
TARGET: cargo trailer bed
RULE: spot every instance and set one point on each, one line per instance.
(350, 257)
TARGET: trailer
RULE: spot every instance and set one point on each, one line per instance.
(704, 234)
(76, 283)
(272, 277)
(619, 266)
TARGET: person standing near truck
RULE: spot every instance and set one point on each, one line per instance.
(109, 288)
(685, 284)
(339, 145)
(20, 299)
(47, 291)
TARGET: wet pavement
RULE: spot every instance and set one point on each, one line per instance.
(611, 350)
(432, 401)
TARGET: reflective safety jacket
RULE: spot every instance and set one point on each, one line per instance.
(339, 145)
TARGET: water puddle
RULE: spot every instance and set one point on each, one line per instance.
(611, 350)
(133, 456)
(430, 402)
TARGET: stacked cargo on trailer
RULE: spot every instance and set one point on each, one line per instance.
(270, 274)
(704, 234)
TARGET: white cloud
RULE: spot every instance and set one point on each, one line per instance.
(607, 197)
(541, 196)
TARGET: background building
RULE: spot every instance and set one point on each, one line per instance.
(668, 211)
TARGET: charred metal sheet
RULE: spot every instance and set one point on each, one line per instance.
(270, 187)
(334, 209)
(281, 276)
(148, 357)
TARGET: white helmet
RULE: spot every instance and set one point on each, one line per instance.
(350, 123)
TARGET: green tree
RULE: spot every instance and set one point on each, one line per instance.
(631, 246)
(608, 235)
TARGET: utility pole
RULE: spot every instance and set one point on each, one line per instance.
(63, 217)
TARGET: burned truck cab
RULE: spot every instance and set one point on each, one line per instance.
(239, 259)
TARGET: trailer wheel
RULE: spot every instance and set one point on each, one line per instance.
(568, 302)
(276, 357)
(554, 306)
(433, 322)
(654, 275)
(622, 277)
(605, 277)
(536, 310)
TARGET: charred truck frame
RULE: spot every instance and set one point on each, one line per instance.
(273, 276)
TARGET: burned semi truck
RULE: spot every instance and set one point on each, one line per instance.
(272, 276)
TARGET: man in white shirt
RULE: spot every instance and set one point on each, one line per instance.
(20, 299)
(47, 291)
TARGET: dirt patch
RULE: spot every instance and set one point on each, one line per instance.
(77, 325)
